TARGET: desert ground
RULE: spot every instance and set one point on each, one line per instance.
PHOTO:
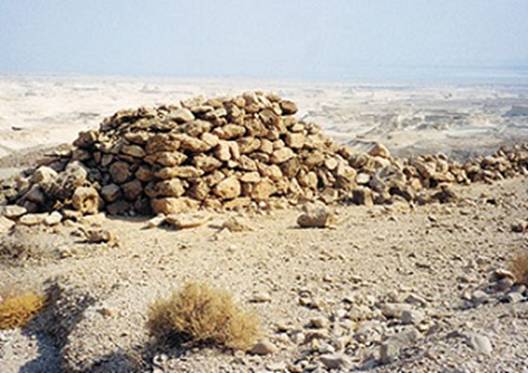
(400, 287)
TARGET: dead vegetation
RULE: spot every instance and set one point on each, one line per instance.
(18, 310)
(203, 315)
(519, 268)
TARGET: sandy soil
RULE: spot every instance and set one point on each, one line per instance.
(353, 281)
(437, 254)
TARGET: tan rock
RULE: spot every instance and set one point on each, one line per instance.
(236, 224)
(263, 190)
(266, 146)
(250, 177)
(53, 218)
(237, 203)
(210, 139)
(282, 155)
(12, 211)
(294, 140)
(174, 158)
(168, 188)
(186, 221)
(229, 131)
(222, 151)
(86, 200)
(181, 115)
(316, 217)
(206, 162)
(248, 144)
(228, 188)
(288, 107)
(171, 205)
(135, 151)
(178, 171)
(193, 144)
(379, 150)
(32, 219)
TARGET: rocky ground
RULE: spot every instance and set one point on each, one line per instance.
(388, 288)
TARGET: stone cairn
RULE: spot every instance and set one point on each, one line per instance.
(230, 153)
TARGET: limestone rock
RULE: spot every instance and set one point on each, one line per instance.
(228, 188)
(319, 217)
(86, 200)
(171, 205)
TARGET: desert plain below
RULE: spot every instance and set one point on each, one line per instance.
(389, 288)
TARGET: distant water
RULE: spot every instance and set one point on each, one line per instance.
(427, 74)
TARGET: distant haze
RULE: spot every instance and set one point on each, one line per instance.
(272, 39)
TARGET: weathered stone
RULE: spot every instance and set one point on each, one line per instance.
(186, 221)
(294, 140)
(181, 115)
(206, 163)
(110, 192)
(379, 150)
(53, 218)
(120, 172)
(264, 347)
(12, 211)
(235, 224)
(362, 196)
(135, 151)
(132, 190)
(228, 188)
(173, 158)
(335, 361)
(282, 155)
(318, 217)
(263, 190)
(86, 200)
(32, 219)
(171, 205)
(288, 107)
(222, 151)
(167, 188)
(183, 172)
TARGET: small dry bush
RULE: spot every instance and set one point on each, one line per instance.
(18, 310)
(203, 315)
(519, 268)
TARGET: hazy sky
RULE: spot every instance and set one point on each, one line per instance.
(295, 39)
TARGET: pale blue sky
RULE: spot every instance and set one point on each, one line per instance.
(296, 39)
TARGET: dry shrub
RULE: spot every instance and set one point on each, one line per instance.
(18, 310)
(519, 268)
(203, 315)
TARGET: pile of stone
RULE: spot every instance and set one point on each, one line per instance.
(239, 152)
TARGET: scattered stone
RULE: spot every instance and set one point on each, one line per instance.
(335, 361)
(53, 218)
(32, 219)
(318, 217)
(261, 297)
(480, 343)
(235, 224)
(264, 347)
(412, 317)
(185, 221)
(12, 211)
